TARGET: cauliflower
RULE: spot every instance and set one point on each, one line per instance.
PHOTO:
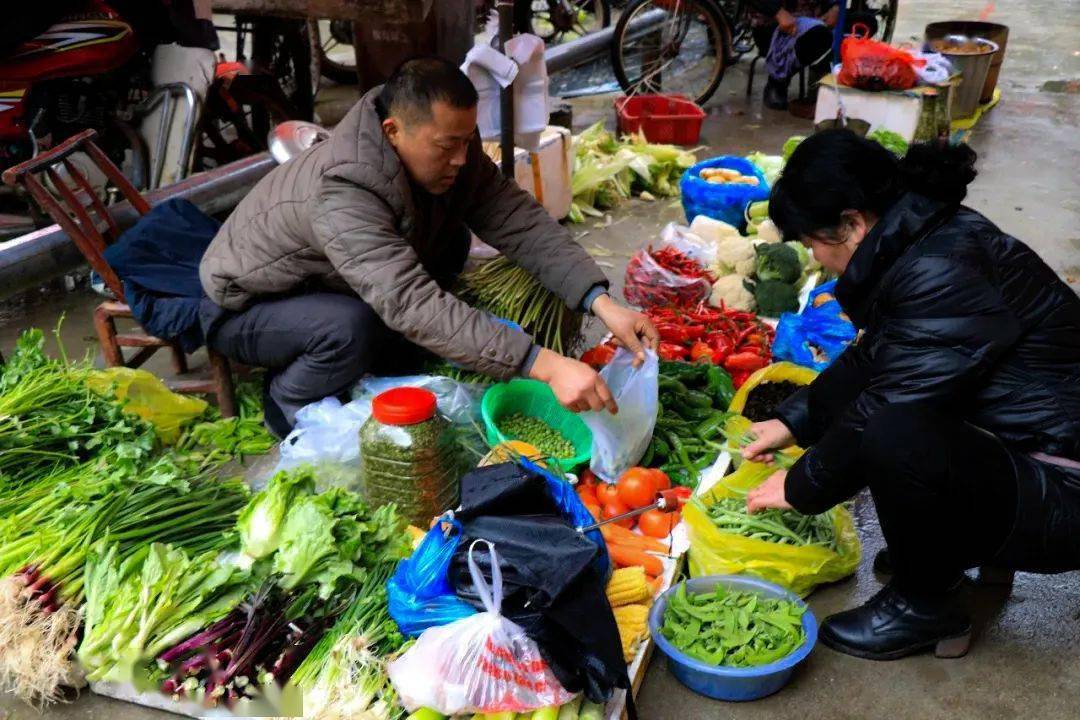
(768, 231)
(733, 293)
(735, 255)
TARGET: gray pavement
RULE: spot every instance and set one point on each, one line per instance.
(1023, 663)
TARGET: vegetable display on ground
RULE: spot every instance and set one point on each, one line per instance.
(784, 527)
(732, 628)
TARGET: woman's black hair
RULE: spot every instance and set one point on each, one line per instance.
(836, 170)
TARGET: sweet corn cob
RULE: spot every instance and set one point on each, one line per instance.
(631, 620)
(628, 585)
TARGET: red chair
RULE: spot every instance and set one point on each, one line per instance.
(77, 209)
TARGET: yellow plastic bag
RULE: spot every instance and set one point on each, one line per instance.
(777, 372)
(143, 394)
(800, 569)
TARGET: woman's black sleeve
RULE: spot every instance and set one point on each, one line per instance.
(810, 411)
(946, 327)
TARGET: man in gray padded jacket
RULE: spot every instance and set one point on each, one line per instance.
(340, 261)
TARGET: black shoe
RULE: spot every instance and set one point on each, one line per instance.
(892, 625)
(775, 96)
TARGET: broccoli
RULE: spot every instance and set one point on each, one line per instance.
(776, 261)
(774, 298)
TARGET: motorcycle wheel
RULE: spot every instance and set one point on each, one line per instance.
(282, 49)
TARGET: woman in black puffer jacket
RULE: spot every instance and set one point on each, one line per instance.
(959, 403)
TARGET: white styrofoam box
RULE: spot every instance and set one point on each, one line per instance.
(898, 111)
(545, 174)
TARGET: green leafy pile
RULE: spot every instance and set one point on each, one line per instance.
(330, 540)
(607, 170)
(891, 141)
(216, 440)
(731, 628)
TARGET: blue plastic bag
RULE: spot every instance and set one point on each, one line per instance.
(419, 593)
(722, 201)
(816, 336)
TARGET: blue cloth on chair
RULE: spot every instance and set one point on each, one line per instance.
(158, 261)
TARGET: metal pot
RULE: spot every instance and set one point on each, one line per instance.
(993, 32)
(292, 137)
(972, 63)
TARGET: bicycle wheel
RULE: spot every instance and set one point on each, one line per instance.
(738, 19)
(332, 43)
(671, 46)
(556, 21)
(884, 11)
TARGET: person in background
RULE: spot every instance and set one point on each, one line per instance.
(958, 404)
(797, 34)
(340, 262)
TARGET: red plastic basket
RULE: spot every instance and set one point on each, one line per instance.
(674, 119)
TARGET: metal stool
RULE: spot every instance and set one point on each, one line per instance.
(76, 208)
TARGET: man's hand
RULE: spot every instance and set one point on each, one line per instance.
(769, 494)
(576, 385)
(787, 22)
(769, 435)
(632, 330)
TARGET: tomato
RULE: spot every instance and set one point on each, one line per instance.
(606, 492)
(637, 487)
(657, 524)
(660, 480)
(614, 509)
(588, 495)
(587, 479)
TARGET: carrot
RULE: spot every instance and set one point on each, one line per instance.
(624, 556)
(656, 585)
(622, 536)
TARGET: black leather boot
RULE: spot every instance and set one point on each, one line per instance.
(893, 624)
(775, 96)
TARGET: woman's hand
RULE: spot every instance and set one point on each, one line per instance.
(632, 330)
(576, 385)
(769, 494)
(768, 435)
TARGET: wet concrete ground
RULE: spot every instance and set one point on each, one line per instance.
(1023, 662)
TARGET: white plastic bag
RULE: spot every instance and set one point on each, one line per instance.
(619, 441)
(327, 433)
(688, 242)
(484, 663)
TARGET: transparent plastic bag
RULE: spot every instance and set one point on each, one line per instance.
(648, 283)
(690, 243)
(484, 663)
(419, 593)
(619, 441)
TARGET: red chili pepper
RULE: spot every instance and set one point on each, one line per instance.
(746, 360)
(671, 351)
(598, 356)
(739, 377)
(669, 332)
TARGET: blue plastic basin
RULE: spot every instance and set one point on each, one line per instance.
(729, 683)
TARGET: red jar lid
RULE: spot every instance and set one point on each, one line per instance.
(403, 406)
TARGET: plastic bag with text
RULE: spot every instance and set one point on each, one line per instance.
(481, 664)
(619, 441)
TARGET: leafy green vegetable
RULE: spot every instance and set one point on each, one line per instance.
(774, 298)
(790, 144)
(137, 607)
(732, 628)
(261, 520)
(770, 165)
(778, 261)
(891, 141)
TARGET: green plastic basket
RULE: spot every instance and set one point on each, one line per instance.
(535, 399)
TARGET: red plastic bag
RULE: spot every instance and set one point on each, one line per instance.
(872, 65)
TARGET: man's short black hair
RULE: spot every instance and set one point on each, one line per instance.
(418, 83)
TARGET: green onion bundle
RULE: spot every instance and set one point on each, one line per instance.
(784, 527)
(507, 291)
